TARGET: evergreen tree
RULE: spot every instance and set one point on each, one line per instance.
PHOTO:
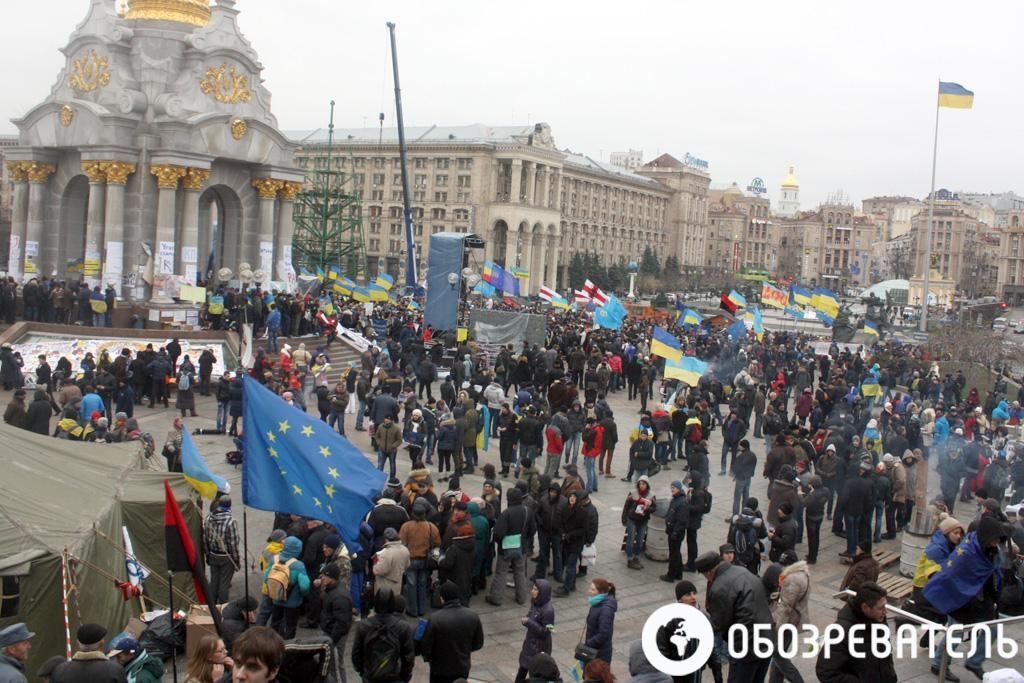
(577, 271)
(649, 263)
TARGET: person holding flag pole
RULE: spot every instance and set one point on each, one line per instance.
(953, 96)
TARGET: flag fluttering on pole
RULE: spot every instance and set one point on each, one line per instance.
(826, 301)
(665, 344)
(687, 370)
(773, 296)
(871, 327)
(136, 572)
(196, 471)
(955, 96)
(181, 551)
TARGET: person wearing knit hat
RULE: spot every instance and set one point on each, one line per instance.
(686, 589)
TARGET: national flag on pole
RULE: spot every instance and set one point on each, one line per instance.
(826, 301)
(547, 293)
(181, 552)
(686, 369)
(665, 344)
(559, 302)
(871, 327)
(758, 324)
(589, 287)
(581, 297)
(690, 317)
(333, 272)
(385, 281)
(599, 297)
(196, 472)
(773, 296)
(799, 295)
(136, 572)
(732, 302)
(955, 96)
(485, 288)
(738, 331)
(296, 463)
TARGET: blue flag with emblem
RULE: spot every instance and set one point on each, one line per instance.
(296, 463)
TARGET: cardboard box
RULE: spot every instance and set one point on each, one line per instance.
(135, 627)
(198, 624)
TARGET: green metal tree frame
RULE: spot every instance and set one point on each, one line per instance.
(328, 218)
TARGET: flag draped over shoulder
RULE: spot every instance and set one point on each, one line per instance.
(687, 370)
(196, 471)
(665, 344)
(870, 386)
(955, 96)
(295, 463)
(961, 576)
(483, 437)
(758, 324)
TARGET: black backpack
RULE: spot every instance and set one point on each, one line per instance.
(383, 654)
(746, 544)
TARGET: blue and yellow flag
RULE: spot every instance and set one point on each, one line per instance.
(758, 324)
(485, 288)
(377, 293)
(962, 576)
(826, 301)
(333, 272)
(687, 370)
(690, 317)
(799, 295)
(870, 386)
(196, 471)
(665, 345)
(955, 96)
(871, 327)
(296, 463)
(319, 273)
(483, 437)
(385, 281)
(360, 294)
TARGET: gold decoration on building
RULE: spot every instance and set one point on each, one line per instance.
(38, 172)
(238, 128)
(89, 72)
(94, 170)
(118, 171)
(226, 84)
(289, 191)
(194, 12)
(194, 179)
(17, 171)
(167, 175)
(67, 115)
(267, 187)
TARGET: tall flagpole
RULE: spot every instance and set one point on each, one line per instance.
(928, 229)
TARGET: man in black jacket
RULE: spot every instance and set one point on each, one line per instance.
(90, 664)
(744, 465)
(858, 504)
(453, 633)
(367, 652)
(513, 528)
(676, 520)
(335, 614)
(550, 514)
(854, 658)
(579, 528)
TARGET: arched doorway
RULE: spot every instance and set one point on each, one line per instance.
(499, 242)
(74, 208)
(220, 229)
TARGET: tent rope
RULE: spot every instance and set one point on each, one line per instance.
(117, 582)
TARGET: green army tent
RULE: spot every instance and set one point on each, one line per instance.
(57, 494)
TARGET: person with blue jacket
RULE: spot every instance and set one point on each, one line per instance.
(91, 402)
(285, 615)
(273, 329)
(601, 618)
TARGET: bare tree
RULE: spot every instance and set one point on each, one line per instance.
(900, 261)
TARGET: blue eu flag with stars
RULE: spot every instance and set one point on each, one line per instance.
(297, 464)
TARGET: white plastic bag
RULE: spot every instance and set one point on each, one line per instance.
(589, 555)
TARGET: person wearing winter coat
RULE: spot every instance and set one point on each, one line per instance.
(579, 528)
(390, 563)
(854, 659)
(539, 623)
(600, 630)
(858, 502)
(641, 455)
(700, 503)
(783, 536)
(636, 512)
(453, 634)
(236, 392)
(640, 668)
(513, 527)
(789, 606)
(458, 561)
(384, 616)
(676, 520)
(744, 466)
(505, 424)
(549, 518)
(37, 417)
(420, 537)
(470, 430)
(864, 568)
(284, 617)
(814, 515)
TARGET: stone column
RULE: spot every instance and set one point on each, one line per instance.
(495, 178)
(167, 177)
(552, 278)
(517, 181)
(93, 223)
(525, 261)
(511, 247)
(531, 181)
(117, 173)
(38, 173)
(267, 189)
(19, 216)
(286, 233)
(188, 258)
(545, 188)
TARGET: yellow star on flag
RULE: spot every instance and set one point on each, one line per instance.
(325, 451)
(296, 489)
(330, 490)
(284, 426)
(330, 509)
(316, 501)
(307, 430)
(272, 451)
(960, 551)
(333, 472)
(270, 435)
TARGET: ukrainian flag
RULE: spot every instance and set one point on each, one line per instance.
(360, 294)
(319, 273)
(687, 370)
(871, 327)
(826, 301)
(758, 324)
(378, 293)
(870, 386)
(195, 470)
(799, 295)
(691, 317)
(665, 345)
(385, 281)
(955, 96)
(333, 272)
(737, 299)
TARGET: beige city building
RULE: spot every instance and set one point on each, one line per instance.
(740, 234)
(955, 244)
(533, 204)
(6, 193)
(833, 244)
(1010, 284)
(897, 212)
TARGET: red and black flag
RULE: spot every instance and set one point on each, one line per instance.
(181, 551)
(727, 304)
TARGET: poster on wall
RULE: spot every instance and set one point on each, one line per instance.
(165, 258)
(267, 258)
(114, 267)
(14, 255)
(31, 253)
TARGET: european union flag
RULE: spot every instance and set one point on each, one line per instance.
(961, 576)
(297, 464)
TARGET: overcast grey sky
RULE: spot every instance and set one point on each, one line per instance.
(845, 91)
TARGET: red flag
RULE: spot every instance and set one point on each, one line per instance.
(727, 304)
(181, 552)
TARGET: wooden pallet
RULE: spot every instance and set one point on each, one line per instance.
(898, 587)
(884, 558)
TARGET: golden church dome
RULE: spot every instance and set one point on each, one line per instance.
(194, 12)
(790, 180)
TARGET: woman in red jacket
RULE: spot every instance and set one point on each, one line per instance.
(593, 443)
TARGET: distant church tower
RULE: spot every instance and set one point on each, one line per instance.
(789, 201)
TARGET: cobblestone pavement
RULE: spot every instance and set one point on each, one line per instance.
(639, 592)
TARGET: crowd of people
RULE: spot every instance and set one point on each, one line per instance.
(844, 437)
